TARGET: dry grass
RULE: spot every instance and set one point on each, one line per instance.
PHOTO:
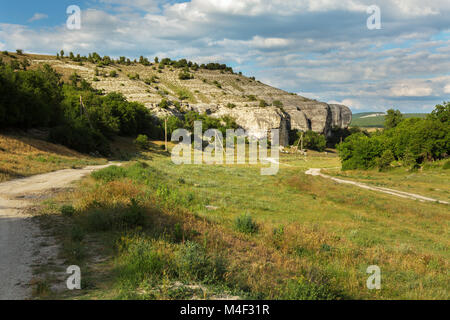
(22, 156)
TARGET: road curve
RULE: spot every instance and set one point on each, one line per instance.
(401, 194)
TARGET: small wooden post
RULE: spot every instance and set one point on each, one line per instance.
(83, 110)
(301, 139)
(165, 133)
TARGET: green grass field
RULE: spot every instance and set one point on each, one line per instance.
(167, 231)
(360, 120)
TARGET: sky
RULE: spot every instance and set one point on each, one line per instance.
(320, 49)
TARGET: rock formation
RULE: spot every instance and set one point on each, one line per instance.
(214, 92)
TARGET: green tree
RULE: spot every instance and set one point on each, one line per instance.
(392, 118)
(384, 162)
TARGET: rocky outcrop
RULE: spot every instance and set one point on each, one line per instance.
(341, 116)
(215, 93)
(309, 115)
(257, 122)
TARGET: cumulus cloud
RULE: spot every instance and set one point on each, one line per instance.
(319, 47)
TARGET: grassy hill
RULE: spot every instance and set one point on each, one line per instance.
(376, 119)
(150, 83)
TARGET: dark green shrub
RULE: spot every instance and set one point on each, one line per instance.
(311, 140)
(277, 103)
(164, 104)
(67, 210)
(262, 104)
(246, 224)
(142, 142)
(141, 259)
(185, 76)
(195, 265)
(384, 162)
(446, 165)
(81, 137)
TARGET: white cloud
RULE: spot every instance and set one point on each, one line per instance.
(38, 16)
(319, 47)
(411, 91)
(351, 103)
(447, 88)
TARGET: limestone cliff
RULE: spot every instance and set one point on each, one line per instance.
(217, 93)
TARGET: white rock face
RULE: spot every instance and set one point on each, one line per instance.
(316, 116)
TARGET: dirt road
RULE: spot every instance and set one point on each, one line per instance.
(18, 232)
(401, 194)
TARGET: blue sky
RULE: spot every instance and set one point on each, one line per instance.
(321, 49)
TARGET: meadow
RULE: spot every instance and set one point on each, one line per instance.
(361, 120)
(155, 230)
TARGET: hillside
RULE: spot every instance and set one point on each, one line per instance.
(376, 119)
(255, 106)
(22, 156)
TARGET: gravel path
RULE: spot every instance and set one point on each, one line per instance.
(18, 232)
(401, 194)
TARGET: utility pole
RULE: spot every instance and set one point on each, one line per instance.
(301, 139)
(83, 109)
(165, 133)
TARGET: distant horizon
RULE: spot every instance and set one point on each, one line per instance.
(324, 51)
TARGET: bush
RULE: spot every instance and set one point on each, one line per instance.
(79, 136)
(134, 76)
(446, 165)
(164, 104)
(67, 210)
(142, 142)
(413, 140)
(262, 104)
(195, 265)
(245, 224)
(109, 174)
(359, 152)
(278, 103)
(141, 259)
(384, 162)
(185, 76)
(113, 74)
(312, 140)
